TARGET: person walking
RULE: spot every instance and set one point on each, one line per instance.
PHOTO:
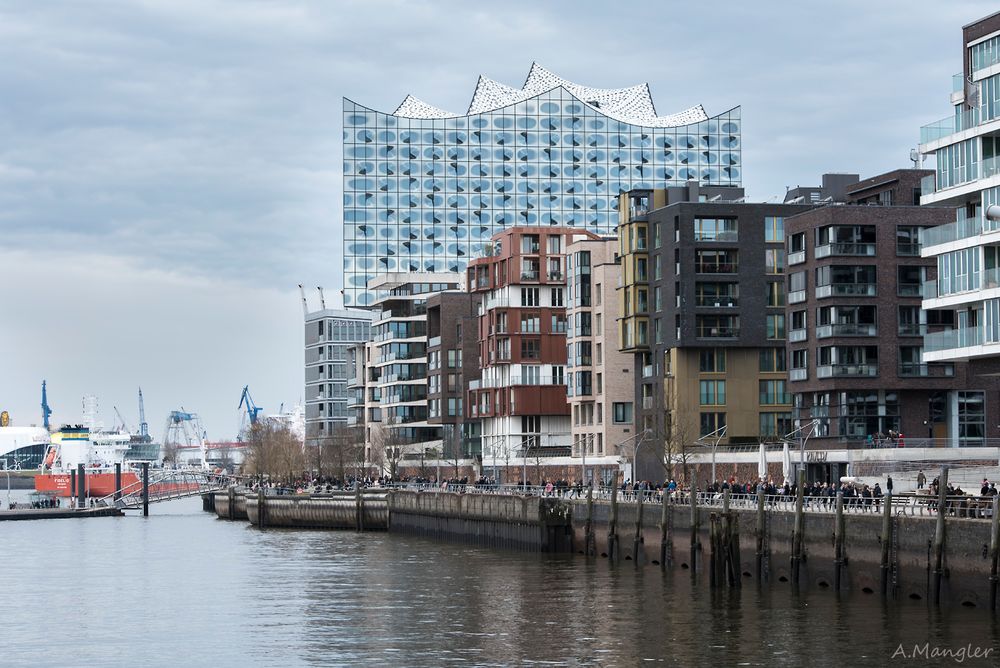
(921, 480)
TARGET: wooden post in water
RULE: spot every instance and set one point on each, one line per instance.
(799, 525)
(231, 494)
(588, 529)
(838, 542)
(81, 487)
(637, 540)
(118, 480)
(694, 527)
(939, 537)
(761, 528)
(886, 542)
(359, 505)
(613, 525)
(665, 536)
(713, 542)
(145, 489)
(261, 507)
(994, 551)
(72, 485)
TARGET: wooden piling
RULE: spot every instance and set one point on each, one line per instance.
(81, 487)
(695, 545)
(838, 542)
(799, 525)
(231, 494)
(886, 542)
(261, 508)
(613, 526)
(761, 528)
(118, 480)
(665, 536)
(72, 485)
(588, 531)
(713, 557)
(145, 489)
(637, 540)
(359, 505)
(994, 551)
(939, 537)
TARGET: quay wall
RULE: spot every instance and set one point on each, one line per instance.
(967, 563)
(366, 512)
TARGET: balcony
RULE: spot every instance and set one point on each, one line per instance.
(529, 275)
(434, 342)
(953, 339)
(555, 276)
(797, 335)
(963, 228)
(908, 248)
(949, 125)
(718, 332)
(796, 296)
(847, 370)
(798, 374)
(716, 301)
(848, 249)
(984, 280)
(647, 371)
(731, 236)
(912, 329)
(845, 290)
(716, 268)
(846, 329)
(798, 257)
(916, 370)
(908, 290)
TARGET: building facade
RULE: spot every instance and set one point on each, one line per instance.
(966, 147)
(702, 312)
(520, 397)
(329, 335)
(598, 375)
(424, 189)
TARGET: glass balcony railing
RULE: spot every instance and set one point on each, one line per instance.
(961, 229)
(852, 249)
(845, 290)
(797, 335)
(953, 339)
(796, 257)
(718, 332)
(908, 290)
(716, 301)
(958, 82)
(912, 329)
(837, 370)
(914, 369)
(846, 329)
(985, 280)
(798, 374)
(908, 248)
(949, 125)
(973, 172)
(796, 296)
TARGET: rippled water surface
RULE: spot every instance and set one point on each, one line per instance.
(182, 588)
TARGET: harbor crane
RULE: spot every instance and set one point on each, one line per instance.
(253, 410)
(183, 435)
(143, 425)
(46, 411)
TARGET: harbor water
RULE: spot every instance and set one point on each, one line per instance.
(182, 588)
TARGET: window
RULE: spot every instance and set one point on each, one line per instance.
(776, 327)
(776, 294)
(772, 360)
(531, 374)
(774, 260)
(531, 424)
(598, 295)
(557, 297)
(799, 320)
(715, 229)
(773, 392)
(712, 360)
(529, 297)
(600, 348)
(711, 422)
(529, 243)
(774, 229)
(530, 323)
(712, 392)
(454, 406)
(775, 424)
(971, 418)
(559, 324)
(800, 358)
(622, 412)
(529, 349)
(600, 383)
(553, 244)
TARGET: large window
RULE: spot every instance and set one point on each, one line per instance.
(711, 422)
(774, 229)
(971, 418)
(774, 260)
(712, 392)
(771, 360)
(774, 392)
(776, 327)
(775, 424)
(622, 412)
(715, 229)
(712, 360)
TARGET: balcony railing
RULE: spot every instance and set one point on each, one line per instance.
(949, 125)
(647, 371)
(716, 301)
(797, 335)
(953, 339)
(727, 235)
(718, 332)
(912, 329)
(845, 290)
(716, 268)
(851, 249)
(529, 275)
(917, 370)
(962, 228)
(647, 403)
(839, 370)
(798, 374)
(434, 342)
(798, 257)
(846, 329)
(908, 248)
(555, 276)
(908, 290)
(796, 296)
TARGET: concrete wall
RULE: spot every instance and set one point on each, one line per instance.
(320, 512)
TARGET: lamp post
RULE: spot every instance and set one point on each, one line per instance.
(718, 435)
(585, 442)
(636, 440)
(811, 426)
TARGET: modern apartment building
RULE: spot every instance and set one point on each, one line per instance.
(520, 397)
(329, 334)
(598, 375)
(425, 188)
(966, 147)
(396, 360)
(452, 361)
(702, 311)
(855, 322)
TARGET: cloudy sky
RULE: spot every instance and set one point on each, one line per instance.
(170, 169)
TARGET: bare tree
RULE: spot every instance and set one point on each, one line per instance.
(452, 446)
(387, 445)
(274, 451)
(677, 442)
(170, 451)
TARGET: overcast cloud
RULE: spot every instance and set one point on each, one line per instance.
(170, 169)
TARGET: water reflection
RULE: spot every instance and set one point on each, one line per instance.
(185, 588)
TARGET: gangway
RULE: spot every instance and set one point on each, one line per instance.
(166, 485)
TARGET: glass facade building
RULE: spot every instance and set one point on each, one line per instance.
(424, 189)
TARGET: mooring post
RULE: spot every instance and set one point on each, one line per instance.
(665, 529)
(713, 542)
(797, 531)
(994, 551)
(588, 529)
(724, 538)
(761, 527)
(72, 486)
(939, 536)
(359, 505)
(118, 480)
(81, 487)
(694, 527)
(838, 542)
(145, 489)
(231, 495)
(637, 539)
(261, 508)
(886, 542)
(613, 524)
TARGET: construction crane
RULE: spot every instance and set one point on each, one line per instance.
(46, 411)
(121, 419)
(143, 426)
(183, 434)
(253, 410)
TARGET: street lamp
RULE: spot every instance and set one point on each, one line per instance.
(811, 426)
(637, 440)
(586, 441)
(718, 435)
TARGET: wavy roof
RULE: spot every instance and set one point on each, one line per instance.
(631, 105)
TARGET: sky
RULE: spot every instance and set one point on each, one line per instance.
(170, 170)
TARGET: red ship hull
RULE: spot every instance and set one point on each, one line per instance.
(102, 484)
